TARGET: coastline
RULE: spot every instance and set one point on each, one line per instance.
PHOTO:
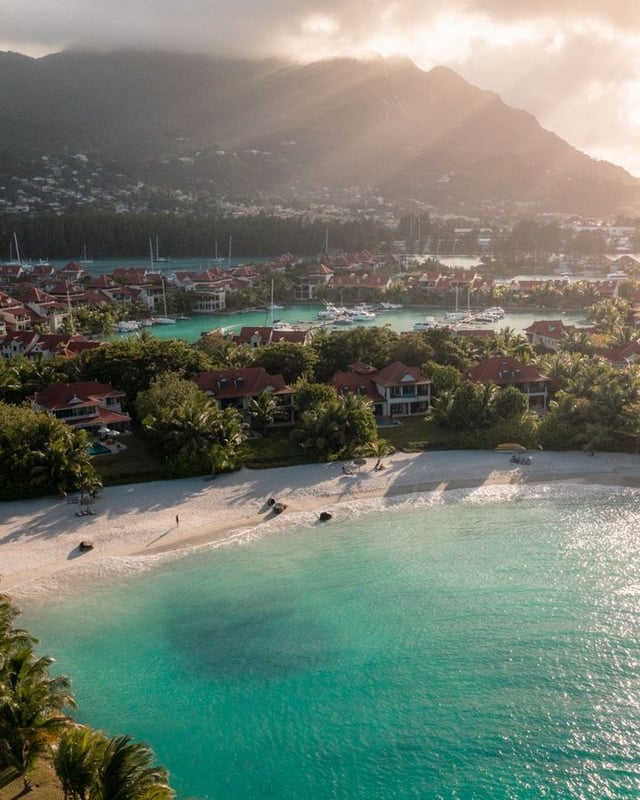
(39, 538)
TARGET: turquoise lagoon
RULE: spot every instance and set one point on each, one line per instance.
(473, 644)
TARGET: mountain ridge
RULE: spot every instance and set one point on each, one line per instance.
(270, 127)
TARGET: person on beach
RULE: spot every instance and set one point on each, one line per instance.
(177, 521)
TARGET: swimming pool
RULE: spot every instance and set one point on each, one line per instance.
(387, 422)
(98, 449)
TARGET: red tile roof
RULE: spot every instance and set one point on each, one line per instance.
(63, 395)
(245, 382)
(357, 383)
(505, 370)
(549, 328)
(397, 373)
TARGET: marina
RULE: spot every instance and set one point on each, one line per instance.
(306, 317)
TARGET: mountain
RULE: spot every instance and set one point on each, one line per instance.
(211, 127)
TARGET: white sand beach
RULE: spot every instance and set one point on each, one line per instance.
(39, 538)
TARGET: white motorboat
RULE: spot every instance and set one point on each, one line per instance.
(330, 312)
(163, 321)
(455, 316)
(360, 315)
(281, 325)
(126, 326)
(426, 324)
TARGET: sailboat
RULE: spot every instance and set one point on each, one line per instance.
(14, 261)
(164, 320)
(84, 259)
(156, 257)
(273, 306)
(161, 320)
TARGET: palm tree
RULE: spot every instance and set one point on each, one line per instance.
(357, 422)
(127, 772)
(11, 639)
(441, 408)
(231, 433)
(31, 704)
(76, 758)
(378, 449)
(263, 410)
(63, 461)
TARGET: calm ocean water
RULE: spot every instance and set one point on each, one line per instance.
(476, 644)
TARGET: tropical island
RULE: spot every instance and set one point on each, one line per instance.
(87, 423)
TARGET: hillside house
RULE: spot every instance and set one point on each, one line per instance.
(395, 391)
(548, 333)
(506, 371)
(85, 404)
(237, 387)
(317, 278)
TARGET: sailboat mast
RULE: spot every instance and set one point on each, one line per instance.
(229, 258)
(271, 302)
(15, 240)
(73, 328)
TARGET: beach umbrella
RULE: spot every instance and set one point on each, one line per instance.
(511, 446)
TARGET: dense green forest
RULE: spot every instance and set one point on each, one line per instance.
(112, 235)
(107, 234)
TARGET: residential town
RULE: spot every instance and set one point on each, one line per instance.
(42, 308)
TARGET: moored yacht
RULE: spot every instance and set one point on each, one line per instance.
(330, 312)
(426, 324)
(126, 326)
(452, 317)
(281, 325)
(360, 314)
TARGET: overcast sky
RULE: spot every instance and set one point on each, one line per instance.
(574, 64)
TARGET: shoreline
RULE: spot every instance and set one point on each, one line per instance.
(39, 538)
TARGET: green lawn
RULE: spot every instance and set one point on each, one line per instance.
(131, 465)
(414, 433)
(275, 449)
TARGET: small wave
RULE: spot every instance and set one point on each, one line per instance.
(82, 578)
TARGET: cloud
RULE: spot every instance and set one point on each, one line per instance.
(570, 63)
(621, 14)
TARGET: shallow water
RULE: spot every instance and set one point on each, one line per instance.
(477, 644)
